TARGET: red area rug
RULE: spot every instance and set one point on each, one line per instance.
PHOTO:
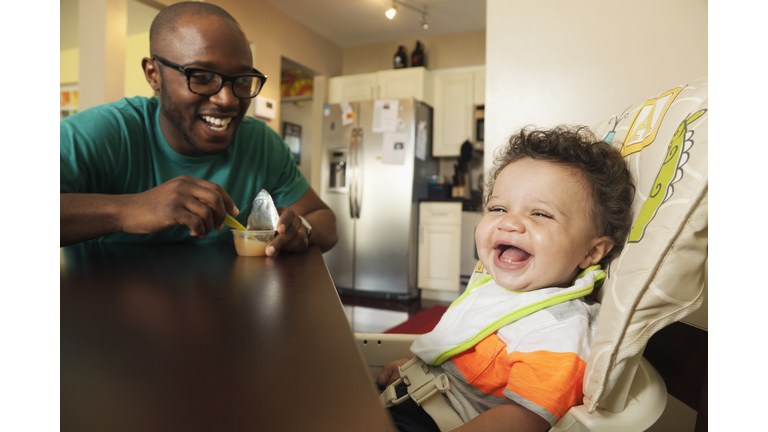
(421, 323)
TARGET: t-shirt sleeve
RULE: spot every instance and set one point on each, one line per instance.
(547, 369)
(91, 145)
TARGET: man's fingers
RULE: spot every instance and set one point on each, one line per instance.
(216, 198)
(204, 213)
(193, 222)
(288, 237)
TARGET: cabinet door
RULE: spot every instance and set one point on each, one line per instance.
(352, 88)
(439, 258)
(404, 84)
(453, 112)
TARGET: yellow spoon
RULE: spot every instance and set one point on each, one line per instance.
(233, 223)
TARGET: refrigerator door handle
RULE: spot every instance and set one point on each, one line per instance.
(352, 172)
(359, 170)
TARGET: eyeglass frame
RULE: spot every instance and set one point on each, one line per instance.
(224, 78)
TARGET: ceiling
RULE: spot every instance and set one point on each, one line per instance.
(346, 23)
(350, 23)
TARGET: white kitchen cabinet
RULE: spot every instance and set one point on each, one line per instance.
(456, 93)
(439, 256)
(352, 88)
(390, 84)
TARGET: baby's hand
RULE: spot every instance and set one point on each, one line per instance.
(391, 373)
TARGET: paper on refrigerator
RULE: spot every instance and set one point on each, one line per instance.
(347, 115)
(385, 115)
(421, 140)
(393, 148)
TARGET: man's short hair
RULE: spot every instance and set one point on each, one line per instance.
(166, 22)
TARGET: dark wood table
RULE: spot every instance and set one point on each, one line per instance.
(195, 338)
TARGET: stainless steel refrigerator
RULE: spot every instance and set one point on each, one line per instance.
(373, 182)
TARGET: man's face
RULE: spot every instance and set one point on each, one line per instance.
(196, 125)
(536, 231)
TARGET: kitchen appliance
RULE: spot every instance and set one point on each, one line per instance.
(479, 127)
(375, 195)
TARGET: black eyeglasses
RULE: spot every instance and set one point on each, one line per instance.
(208, 83)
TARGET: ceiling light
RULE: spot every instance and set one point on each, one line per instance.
(423, 22)
(422, 13)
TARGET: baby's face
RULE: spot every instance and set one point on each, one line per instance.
(536, 231)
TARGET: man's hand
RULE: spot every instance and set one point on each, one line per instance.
(198, 204)
(391, 373)
(291, 234)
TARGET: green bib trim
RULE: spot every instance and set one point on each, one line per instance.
(518, 313)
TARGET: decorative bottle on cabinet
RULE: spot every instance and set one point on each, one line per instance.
(401, 58)
(417, 57)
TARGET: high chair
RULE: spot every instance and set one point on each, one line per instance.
(661, 275)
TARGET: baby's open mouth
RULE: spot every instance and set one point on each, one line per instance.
(512, 254)
(215, 123)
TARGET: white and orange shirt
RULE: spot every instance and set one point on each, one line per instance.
(530, 348)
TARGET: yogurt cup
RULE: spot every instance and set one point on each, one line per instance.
(252, 242)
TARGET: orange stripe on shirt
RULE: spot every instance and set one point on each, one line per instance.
(485, 366)
(548, 379)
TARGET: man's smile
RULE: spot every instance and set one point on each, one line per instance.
(218, 124)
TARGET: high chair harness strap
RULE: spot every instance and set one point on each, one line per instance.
(426, 390)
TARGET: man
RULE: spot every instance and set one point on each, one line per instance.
(149, 170)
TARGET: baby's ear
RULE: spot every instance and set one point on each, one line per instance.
(599, 249)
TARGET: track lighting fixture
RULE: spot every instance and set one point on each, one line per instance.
(390, 13)
(423, 22)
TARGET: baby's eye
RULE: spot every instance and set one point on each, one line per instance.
(495, 209)
(538, 213)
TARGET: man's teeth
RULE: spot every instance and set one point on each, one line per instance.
(222, 123)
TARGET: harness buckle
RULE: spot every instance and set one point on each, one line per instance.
(422, 384)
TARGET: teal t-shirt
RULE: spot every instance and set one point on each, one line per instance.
(118, 148)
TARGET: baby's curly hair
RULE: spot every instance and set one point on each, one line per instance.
(601, 165)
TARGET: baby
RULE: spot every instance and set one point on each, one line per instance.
(510, 353)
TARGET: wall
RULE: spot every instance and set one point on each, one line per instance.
(466, 49)
(300, 113)
(549, 68)
(68, 66)
(136, 48)
(276, 35)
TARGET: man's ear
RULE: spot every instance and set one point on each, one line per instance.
(151, 73)
(599, 249)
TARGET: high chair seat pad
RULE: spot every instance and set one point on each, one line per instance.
(661, 274)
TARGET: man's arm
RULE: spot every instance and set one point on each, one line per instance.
(199, 204)
(292, 236)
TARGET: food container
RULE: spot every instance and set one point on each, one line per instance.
(252, 242)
